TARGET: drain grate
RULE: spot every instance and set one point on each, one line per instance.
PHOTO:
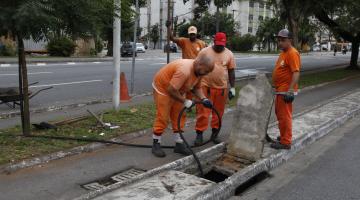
(114, 178)
(126, 175)
(94, 186)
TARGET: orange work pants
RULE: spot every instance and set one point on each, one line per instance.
(167, 108)
(283, 113)
(218, 97)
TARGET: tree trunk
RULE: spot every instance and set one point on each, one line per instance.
(109, 36)
(294, 28)
(354, 55)
(269, 46)
(25, 87)
(217, 18)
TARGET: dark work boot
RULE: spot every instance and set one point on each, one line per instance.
(278, 145)
(156, 149)
(214, 136)
(278, 138)
(181, 149)
(198, 139)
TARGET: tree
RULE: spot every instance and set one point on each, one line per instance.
(294, 12)
(154, 34)
(203, 6)
(342, 17)
(267, 31)
(206, 25)
(25, 19)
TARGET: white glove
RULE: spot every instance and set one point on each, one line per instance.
(188, 103)
(233, 91)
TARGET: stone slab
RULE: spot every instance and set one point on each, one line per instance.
(250, 119)
(168, 185)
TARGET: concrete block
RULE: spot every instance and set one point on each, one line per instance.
(250, 119)
(167, 185)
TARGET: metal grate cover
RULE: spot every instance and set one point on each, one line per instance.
(110, 180)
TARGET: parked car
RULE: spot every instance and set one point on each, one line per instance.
(140, 48)
(172, 48)
(127, 50)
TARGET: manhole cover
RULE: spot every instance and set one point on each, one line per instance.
(112, 179)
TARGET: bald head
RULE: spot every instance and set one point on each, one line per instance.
(203, 65)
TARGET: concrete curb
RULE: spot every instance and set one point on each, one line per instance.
(227, 188)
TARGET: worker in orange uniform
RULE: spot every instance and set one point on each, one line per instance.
(285, 80)
(190, 46)
(170, 85)
(215, 87)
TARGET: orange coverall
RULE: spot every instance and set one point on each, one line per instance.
(214, 86)
(180, 75)
(190, 50)
(287, 63)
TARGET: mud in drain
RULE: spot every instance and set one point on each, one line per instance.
(215, 176)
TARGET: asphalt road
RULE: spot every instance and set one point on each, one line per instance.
(81, 82)
(328, 169)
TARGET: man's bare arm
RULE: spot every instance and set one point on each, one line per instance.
(198, 92)
(174, 93)
(232, 77)
(295, 80)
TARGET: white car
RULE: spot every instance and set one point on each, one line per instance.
(140, 47)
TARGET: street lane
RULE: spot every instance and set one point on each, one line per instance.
(74, 82)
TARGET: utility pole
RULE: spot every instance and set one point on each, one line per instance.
(134, 45)
(148, 3)
(116, 55)
(168, 31)
(161, 23)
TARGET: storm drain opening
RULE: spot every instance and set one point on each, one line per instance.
(252, 182)
(215, 176)
(112, 179)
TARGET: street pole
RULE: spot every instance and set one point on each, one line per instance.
(161, 23)
(134, 46)
(116, 55)
(168, 32)
(148, 22)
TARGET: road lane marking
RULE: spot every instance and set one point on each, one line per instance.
(68, 83)
(5, 65)
(40, 64)
(71, 63)
(158, 63)
(31, 73)
(96, 62)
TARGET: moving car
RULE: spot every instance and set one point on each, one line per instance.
(140, 48)
(172, 48)
(127, 50)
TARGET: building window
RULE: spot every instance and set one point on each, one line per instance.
(268, 7)
(261, 18)
(250, 30)
(251, 4)
(261, 5)
(251, 17)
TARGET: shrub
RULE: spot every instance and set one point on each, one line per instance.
(7, 49)
(98, 46)
(242, 43)
(61, 46)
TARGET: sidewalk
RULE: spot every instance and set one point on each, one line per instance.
(62, 179)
